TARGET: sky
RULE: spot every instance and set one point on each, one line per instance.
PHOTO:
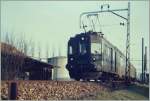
(52, 23)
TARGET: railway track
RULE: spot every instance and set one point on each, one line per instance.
(113, 85)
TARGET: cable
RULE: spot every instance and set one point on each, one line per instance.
(99, 23)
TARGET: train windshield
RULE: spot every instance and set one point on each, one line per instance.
(96, 48)
(70, 50)
(82, 48)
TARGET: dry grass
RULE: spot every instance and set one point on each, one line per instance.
(120, 95)
(53, 90)
(133, 92)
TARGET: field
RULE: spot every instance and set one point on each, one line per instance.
(58, 90)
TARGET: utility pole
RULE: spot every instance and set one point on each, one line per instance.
(142, 59)
(145, 64)
(128, 46)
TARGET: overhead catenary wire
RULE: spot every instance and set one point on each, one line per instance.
(110, 25)
(84, 26)
(99, 23)
(90, 22)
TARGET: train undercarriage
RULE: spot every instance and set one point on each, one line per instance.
(94, 75)
(107, 79)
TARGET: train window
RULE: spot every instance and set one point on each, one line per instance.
(114, 59)
(96, 48)
(122, 62)
(108, 51)
(82, 48)
(70, 50)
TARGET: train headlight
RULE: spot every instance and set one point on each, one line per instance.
(82, 38)
(94, 59)
(71, 59)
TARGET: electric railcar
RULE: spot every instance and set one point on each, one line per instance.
(91, 56)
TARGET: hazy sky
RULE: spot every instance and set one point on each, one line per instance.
(54, 22)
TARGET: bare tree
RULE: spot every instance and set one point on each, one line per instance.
(32, 48)
(29, 47)
(53, 51)
(39, 51)
(9, 60)
(59, 50)
(23, 48)
(14, 52)
(47, 52)
(9, 38)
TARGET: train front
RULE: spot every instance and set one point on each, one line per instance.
(83, 54)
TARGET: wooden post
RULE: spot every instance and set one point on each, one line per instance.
(13, 91)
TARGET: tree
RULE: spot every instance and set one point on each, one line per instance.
(11, 58)
(14, 51)
(39, 51)
(47, 52)
(32, 48)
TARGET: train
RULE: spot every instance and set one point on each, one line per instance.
(91, 56)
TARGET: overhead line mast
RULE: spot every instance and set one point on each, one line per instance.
(113, 11)
(128, 45)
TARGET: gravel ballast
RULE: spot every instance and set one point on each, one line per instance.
(52, 90)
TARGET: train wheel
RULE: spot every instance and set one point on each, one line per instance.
(87, 79)
(95, 80)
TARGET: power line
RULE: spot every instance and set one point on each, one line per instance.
(138, 60)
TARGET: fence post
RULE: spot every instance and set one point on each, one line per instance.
(13, 91)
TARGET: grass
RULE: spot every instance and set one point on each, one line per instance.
(134, 92)
(117, 95)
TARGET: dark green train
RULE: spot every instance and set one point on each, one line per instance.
(91, 56)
